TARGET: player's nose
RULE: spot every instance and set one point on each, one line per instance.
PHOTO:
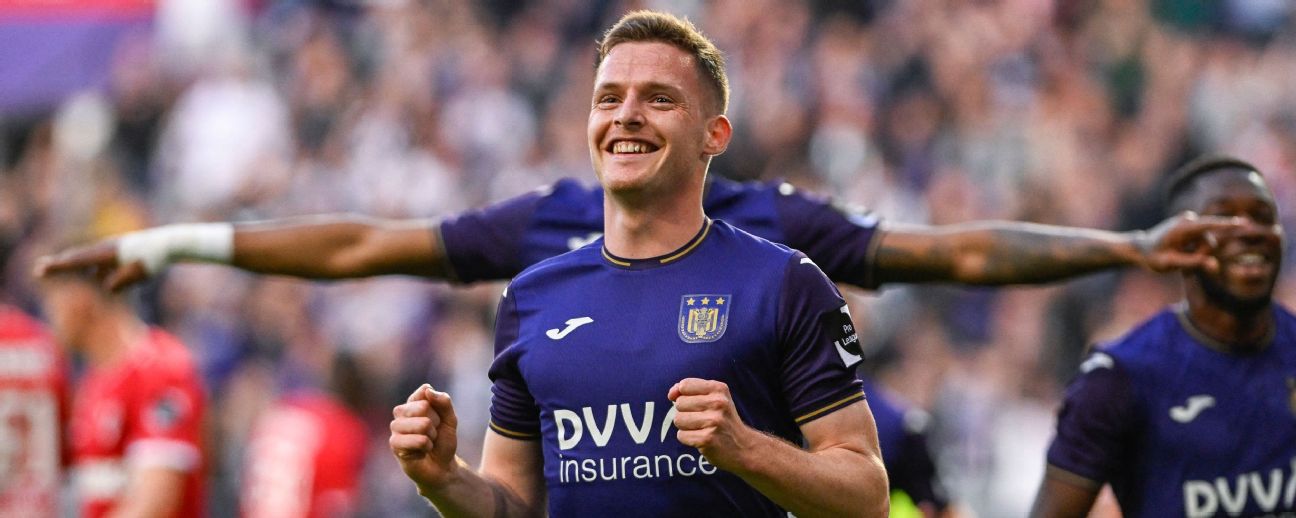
(629, 114)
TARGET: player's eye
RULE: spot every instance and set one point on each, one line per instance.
(1262, 216)
(661, 99)
(606, 100)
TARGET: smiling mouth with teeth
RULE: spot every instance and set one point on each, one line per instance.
(623, 147)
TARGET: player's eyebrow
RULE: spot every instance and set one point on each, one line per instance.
(651, 86)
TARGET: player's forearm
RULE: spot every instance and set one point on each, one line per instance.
(834, 481)
(469, 494)
(997, 253)
(336, 247)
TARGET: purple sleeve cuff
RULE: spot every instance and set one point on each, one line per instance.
(841, 240)
(1095, 421)
(513, 410)
(819, 344)
(483, 244)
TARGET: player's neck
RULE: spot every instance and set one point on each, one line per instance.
(1230, 331)
(639, 231)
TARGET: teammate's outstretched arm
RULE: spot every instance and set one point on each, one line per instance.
(1007, 252)
(424, 440)
(318, 247)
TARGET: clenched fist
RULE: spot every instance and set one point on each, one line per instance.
(708, 420)
(423, 437)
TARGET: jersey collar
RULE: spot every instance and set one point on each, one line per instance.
(643, 264)
(1181, 312)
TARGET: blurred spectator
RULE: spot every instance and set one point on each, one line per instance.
(33, 401)
(306, 453)
(136, 423)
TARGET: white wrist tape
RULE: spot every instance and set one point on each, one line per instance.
(156, 248)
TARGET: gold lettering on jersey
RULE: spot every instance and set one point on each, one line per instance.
(703, 317)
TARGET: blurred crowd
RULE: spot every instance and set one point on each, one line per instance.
(936, 111)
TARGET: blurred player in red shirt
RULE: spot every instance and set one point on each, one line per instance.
(32, 395)
(306, 453)
(135, 428)
(33, 401)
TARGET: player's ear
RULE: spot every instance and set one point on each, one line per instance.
(718, 133)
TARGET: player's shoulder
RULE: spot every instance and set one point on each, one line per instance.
(723, 188)
(559, 267)
(570, 192)
(162, 355)
(737, 240)
(17, 325)
(1284, 316)
(1149, 343)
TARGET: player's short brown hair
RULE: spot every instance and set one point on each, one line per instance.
(638, 26)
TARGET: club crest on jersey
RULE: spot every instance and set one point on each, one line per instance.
(703, 318)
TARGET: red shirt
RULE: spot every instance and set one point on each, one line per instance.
(143, 411)
(304, 459)
(32, 395)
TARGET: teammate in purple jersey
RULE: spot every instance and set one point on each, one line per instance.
(1193, 413)
(497, 242)
(742, 343)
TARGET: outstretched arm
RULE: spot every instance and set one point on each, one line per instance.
(319, 247)
(1003, 252)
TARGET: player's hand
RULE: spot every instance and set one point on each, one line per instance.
(1184, 242)
(99, 259)
(423, 437)
(708, 420)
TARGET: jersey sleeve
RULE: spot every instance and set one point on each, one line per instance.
(166, 419)
(841, 240)
(819, 346)
(484, 244)
(1095, 422)
(514, 412)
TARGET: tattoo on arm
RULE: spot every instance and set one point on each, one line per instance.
(1004, 254)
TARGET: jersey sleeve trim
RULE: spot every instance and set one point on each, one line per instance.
(513, 434)
(452, 273)
(830, 408)
(1071, 477)
(871, 280)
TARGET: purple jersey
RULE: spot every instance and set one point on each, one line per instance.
(588, 344)
(500, 241)
(1180, 429)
